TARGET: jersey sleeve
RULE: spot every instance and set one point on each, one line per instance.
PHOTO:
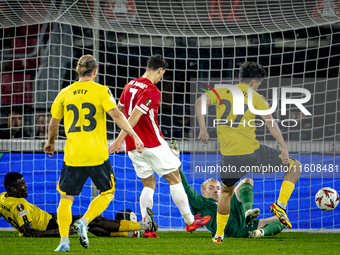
(213, 97)
(21, 213)
(262, 104)
(57, 109)
(148, 100)
(108, 101)
(195, 200)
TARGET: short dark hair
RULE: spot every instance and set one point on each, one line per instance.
(11, 178)
(251, 71)
(156, 61)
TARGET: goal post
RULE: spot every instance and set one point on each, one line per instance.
(205, 42)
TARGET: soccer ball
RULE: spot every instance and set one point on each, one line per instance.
(327, 199)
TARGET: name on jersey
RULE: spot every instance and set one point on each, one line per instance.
(23, 213)
(138, 84)
(79, 91)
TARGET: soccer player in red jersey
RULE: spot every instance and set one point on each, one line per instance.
(140, 101)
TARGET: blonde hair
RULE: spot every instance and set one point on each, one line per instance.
(85, 66)
(204, 184)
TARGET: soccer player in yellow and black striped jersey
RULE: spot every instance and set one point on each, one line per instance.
(21, 214)
(239, 147)
(31, 221)
(84, 105)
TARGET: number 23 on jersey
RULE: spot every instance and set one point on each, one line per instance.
(89, 111)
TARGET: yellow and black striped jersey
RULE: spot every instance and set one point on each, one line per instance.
(239, 138)
(17, 212)
(83, 106)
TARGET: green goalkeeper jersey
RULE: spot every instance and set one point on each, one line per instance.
(236, 226)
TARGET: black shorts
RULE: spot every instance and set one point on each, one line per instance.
(72, 179)
(263, 160)
(52, 224)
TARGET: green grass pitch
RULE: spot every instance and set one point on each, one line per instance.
(178, 242)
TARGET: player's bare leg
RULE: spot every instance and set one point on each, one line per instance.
(288, 185)
(180, 198)
(223, 210)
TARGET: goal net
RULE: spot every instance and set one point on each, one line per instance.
(205, 42)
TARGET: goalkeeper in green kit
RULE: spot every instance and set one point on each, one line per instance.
(242, 220)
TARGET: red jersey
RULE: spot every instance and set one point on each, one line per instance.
(145, 96)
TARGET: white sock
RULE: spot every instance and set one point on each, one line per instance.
(146, 200)
(131, 233)
(181, 200)
(64, 239)
(85, 221)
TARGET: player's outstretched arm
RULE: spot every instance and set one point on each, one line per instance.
(195, 199)
(127, 129)
(52, 134)
(203, 136)
(28, 231)
(276, 133)
(120, 108)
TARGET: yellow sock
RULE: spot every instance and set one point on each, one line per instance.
(126, 225)
(64, 216)
(221, 223)
(286, 190)
(97, 206)
(118, 234)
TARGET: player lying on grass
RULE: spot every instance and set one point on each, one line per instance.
(242, 217)
(31, 221)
